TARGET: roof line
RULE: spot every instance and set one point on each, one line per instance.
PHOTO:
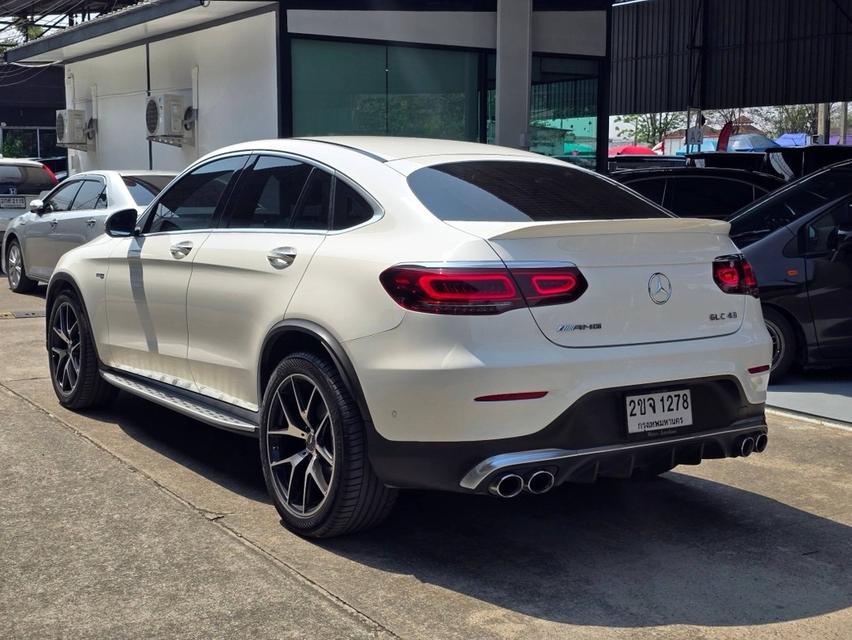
(131, 16)
(347, 146)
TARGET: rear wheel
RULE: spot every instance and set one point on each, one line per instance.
(15, 270)
(314, 454)
(73, 361)
(783, 343)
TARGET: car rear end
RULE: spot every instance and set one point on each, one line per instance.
(21, 181)
(600, 338)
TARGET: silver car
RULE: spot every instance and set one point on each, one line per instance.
(21, 181)
(72, 214)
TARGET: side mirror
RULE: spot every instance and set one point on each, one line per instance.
(122, 224)
(37, 206)
(844, 238)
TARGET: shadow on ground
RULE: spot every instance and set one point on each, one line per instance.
(675, 550)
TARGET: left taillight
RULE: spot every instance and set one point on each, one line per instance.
(480, 291)
(50, 173)
(734, 274)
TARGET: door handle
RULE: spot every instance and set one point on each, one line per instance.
(53, 224)
(281, 257)
(91, 222)
(181, 249)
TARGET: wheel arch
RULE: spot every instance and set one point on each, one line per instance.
(289, 336)
(7, 240)
(59, 283)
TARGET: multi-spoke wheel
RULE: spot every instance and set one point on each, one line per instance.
(19, 282)
(783, 342)
(313, 452)
(72, 358)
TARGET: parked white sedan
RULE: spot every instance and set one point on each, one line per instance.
(387, 313)
(71, 215)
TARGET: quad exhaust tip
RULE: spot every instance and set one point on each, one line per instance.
(507, 486)
(540, 482)
(746, 446)
(760, 442)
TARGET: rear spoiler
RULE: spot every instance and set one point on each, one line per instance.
(514, 230)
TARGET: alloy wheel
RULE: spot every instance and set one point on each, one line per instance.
(14, 265)
(300, 442)
(65, 342)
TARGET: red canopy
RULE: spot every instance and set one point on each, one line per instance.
(631, 150)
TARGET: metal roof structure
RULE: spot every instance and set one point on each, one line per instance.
(672, 54)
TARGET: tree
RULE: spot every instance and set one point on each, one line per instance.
(648, 128)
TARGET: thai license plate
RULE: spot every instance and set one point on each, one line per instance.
(659, 411)
(13, 202)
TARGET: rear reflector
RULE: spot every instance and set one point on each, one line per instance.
(503, 397)
(481, 290)
(733, 274)
(760, 369)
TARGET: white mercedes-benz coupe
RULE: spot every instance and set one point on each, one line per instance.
(388, 313)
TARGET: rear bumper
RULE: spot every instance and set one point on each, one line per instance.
(587, 441)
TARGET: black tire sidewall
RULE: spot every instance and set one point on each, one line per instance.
(785, 330)
(312, 367)
(72, 399)
(25, 284)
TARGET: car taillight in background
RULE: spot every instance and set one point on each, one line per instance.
(50, 173)
(733, 274)
(481, 291)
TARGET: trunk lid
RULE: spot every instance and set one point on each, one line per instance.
(649, 280)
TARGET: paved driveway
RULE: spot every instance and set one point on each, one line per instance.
(821, 393)
(135, 520)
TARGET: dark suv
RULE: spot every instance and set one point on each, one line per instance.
(799, 242)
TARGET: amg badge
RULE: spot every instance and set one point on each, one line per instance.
(567, 328)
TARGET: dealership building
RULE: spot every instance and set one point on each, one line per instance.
(161, 83)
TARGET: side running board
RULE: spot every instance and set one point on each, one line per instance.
(181, 403)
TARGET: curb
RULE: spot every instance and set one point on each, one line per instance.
(810, 418)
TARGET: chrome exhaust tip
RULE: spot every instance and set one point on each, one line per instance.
(760, 442)
(507, 486)
(746, 446)
(540, 482)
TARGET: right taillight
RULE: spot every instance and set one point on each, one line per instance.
(483, 290)
(734, 274)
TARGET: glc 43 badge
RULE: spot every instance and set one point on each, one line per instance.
(726, 315)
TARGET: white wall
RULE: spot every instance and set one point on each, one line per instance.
(237, 94)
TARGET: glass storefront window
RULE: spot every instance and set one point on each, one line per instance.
(353, 88)
(563, 108)
(29, 143)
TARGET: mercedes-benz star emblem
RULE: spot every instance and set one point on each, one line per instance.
(660, 288)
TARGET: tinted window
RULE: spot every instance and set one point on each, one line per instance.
(697, 196)
(350, 208)
(266, 196)
(511, 191)
(89, 196)
(62, 198)
(191, 202)
(143, 189)
(780, 208)
(821, 235)
(313, 207)
(653, 188)
(25, 180)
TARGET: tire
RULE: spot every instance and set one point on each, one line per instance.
(784, 343)
(16, 272)
(76, 381)
(312, 434)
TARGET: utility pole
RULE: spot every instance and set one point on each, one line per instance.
(824, 122)
(844, 122)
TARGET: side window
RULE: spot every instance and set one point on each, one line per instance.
(653, 188)
(821, 235)
(90, 196)
(350, 208)
(191, 202)
(312, 212)
(62, 198)
(267, 195)
(707, 196)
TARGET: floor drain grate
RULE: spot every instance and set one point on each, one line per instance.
(11, 315)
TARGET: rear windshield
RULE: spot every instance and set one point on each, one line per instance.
(24, 179)
(511, 191)
(143, 189)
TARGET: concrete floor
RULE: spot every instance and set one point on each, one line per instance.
(823, 393)
(137, 521)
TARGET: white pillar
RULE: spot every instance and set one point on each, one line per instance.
(514, 62)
